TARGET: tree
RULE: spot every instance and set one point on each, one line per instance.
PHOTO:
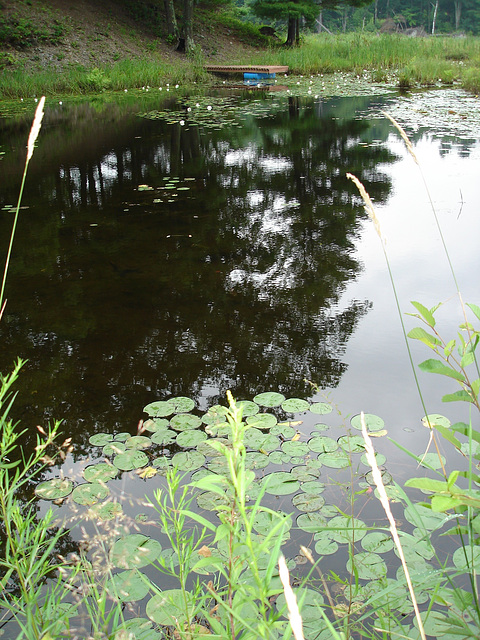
(290, 11)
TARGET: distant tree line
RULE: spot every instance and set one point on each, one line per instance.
(434, 16)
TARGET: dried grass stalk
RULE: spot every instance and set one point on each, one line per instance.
(294, 616)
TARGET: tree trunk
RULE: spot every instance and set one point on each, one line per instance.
(171, 20)
(375, 13)
(293, 33)
(458, 13)
(434, 17)
(185, 42)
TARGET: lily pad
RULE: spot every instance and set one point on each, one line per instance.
(324, 545)
(424, 518)
(321, 408)
(138, 442)
(269, 399)
(308, 502)
(164, 436)
(264, 521)
(370, 566)
(346, 530)
(335, 459)
(113, 448)
(188, 460)
(191, 438)
(128, 586)
(312, 522)
(184, 421)
(100, 439)
(159, 409)
(379, 457)
(155, 424)
(248, 408)
(130, 460)
(181, 404)
(432, 461)
(467, 560)
(309, 602)
(168, 608)
(322, 444)
(211, 501)
(353, 444)
(296, 448)
(89, 493)
(54, 489)
(137, 629)
(105, 511)
(281, 483)
(377, 542)
(215, 415)
(372, 422)
(134, 550)
(262, 420)
(295, 405)
(313, 487)
(256, 460)
(101, 472)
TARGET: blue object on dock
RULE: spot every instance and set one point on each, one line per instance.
(258, 76)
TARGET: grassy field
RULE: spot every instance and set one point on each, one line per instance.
(398, 60)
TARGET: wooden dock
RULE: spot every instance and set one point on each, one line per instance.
(237, 68)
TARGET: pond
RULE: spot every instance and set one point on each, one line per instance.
(187, 246)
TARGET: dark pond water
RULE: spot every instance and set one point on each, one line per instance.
(157, 258)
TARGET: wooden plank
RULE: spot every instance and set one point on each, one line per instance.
(236, 68)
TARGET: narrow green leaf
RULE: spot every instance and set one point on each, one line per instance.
(475, 309)
(443, 503)
(449, 348)
(447, 434)
(468, 357)
(435, 366)
(420, 334)
(458, 396)
(476, 386)
(427, 484)
(424, 312)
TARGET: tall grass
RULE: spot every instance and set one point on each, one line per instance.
(421, 61)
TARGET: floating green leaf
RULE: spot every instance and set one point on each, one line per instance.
(137, 629)
(113, 448)
(128, 586)
(159, 409)
(101, 472)
(181, 404)
(184, 421)
(191, 438)
(130, 460)
(188, 460)
(262, 420)
(311, 522)
(321, 408)
(308, 502)
(256, 460)
(309, 602)
(138, 442)
(164, 436)
(322, 444)
(248, 407)
(353, 444)
(467, 559)
(313, 487)
(370, 566)
(155, 424)
(324, 545)
(422, 517)
(90, 493)
(215, 415)
(386, 477)
(100, 439)
(296, 448)
(264, 521)
(134, 550)
(281, 483)
(295, 405)
(211, 501)
(105, 511)
(372, 422)
(343, 529)
(269, 399)
(168, 608)
(54, 489)
(379, 457)
(335, 459)
(377, 542)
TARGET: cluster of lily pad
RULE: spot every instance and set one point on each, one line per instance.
(180, 437)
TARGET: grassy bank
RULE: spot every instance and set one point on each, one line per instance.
(397, 60)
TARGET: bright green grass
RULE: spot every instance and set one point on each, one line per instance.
(415, 61)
